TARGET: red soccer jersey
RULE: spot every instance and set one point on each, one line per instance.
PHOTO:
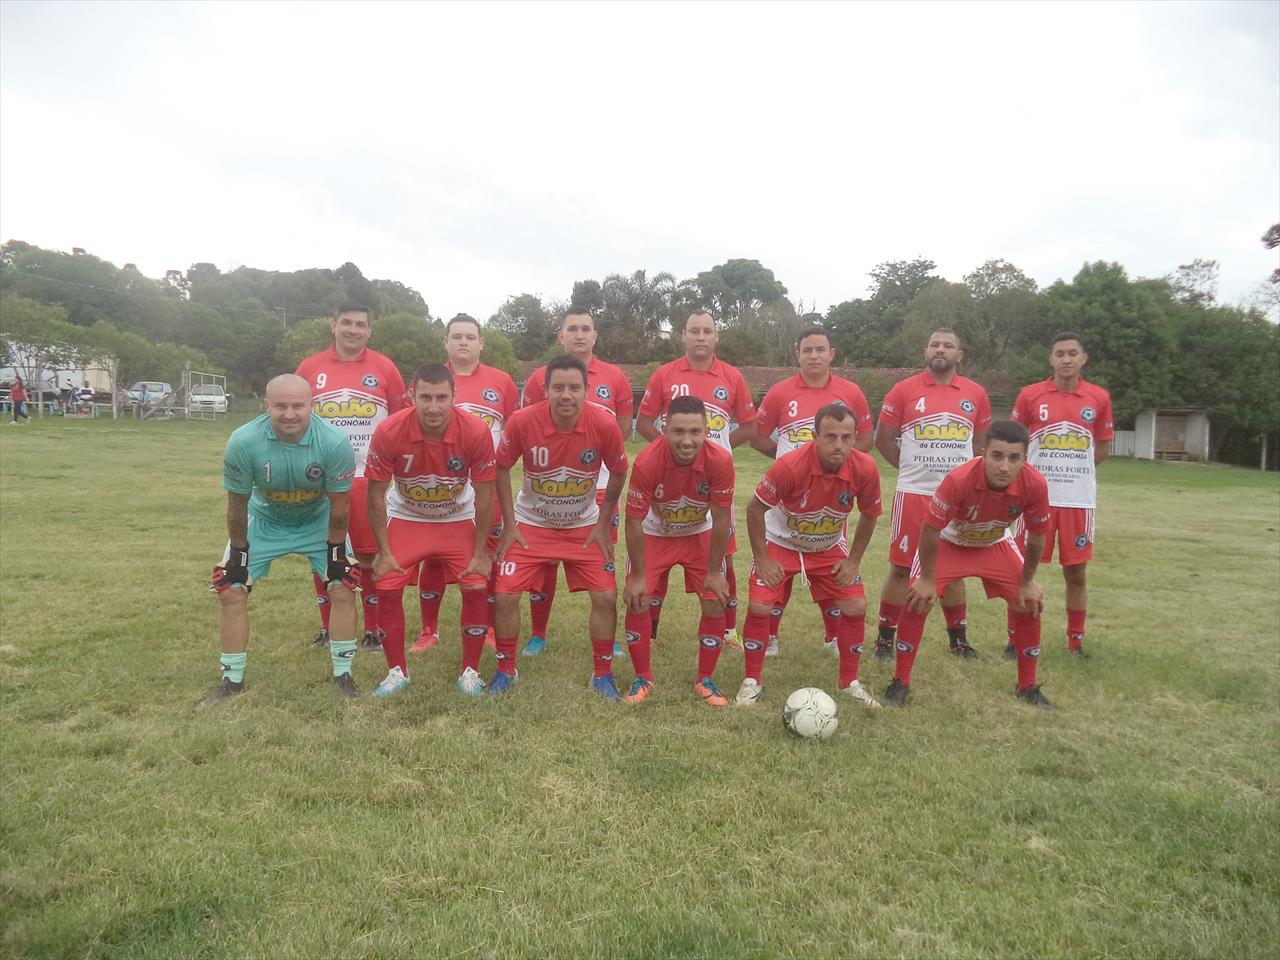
(790, 404)
(490, 394)
(433, 478)
(721, 388)
(354, 395)
(808, 507)
(971, 514)
(607, 387)
(935, 423)
(674, 500)
(560, 467)
(1064, 427)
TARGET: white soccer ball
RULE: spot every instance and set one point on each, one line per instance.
(810, 714)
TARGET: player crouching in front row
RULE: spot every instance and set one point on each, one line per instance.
(798, 522)
(966, 534)
(675, 482)
(287, 474)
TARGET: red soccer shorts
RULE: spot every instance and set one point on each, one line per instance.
(817, 567)
(358, 530)
(999, 566)
(1073, 527)
(909, 510)
(661, 554)
(412, 541)
(523, 569)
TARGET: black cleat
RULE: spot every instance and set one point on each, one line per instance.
(1079, 652)
(1009, 653)
(372, 641)
(223, 691)
(346, 686)
(321, 639)
(896, 695)
(1034, 697)
(960, 645)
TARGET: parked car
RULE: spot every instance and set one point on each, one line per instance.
(155, 390)
(208, 398)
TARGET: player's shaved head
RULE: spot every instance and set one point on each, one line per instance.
(286, 383)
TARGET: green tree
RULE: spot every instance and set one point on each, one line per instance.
(635, 312)
(731, 289)
(408, 340)
(302, 340)
(528, 322)
(742, 348)
(1007, 314)
(589, 294)
(498, 352)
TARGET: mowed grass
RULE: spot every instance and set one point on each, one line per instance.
(1139, 819)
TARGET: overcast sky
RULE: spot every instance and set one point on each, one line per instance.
(475, 151)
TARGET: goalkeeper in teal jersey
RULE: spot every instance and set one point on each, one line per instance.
(287, 475)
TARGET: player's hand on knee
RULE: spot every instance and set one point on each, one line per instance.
(234, 572)
(508, 537)
(634, 597)
(718, 584)
(769, 571)
(339, 568)
(846, 572)
(383, 564)
(921, 596)
(480, 565)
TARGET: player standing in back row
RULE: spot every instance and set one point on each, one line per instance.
(930, 424)
(786, 423)
(610, 390)
(1071, 429)
(491, 395)
(354, 389)
(731, 422)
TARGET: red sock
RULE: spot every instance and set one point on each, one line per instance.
(731, 608)
(540, 604)
(430, 593)
(369, 600)
(710, 638)
(655, 614)
(1011, 624)
(775, 614)
(910, 630)
(1075, 629)
(890, 614)
(491, 595)
(849, 643)
(393, 627)
(322, 599)
(506, 654)
(956, 616)
(639, 640)
(755, 638)
(475, 624)
(831, 620)
(602, 657)
(1026, 641)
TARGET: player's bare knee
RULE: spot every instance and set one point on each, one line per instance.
(233, 598)
(712, 608)
(853, 608)
(759, 609)
(341, 596)
(898, 575)
(507, 602)
(1075, 574)
(604, 599)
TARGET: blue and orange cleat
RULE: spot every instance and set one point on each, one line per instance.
(605, 687)
(640, 689)
(710, 694)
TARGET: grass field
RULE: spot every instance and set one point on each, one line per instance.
(1140, 819)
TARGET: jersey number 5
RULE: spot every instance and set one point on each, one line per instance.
(1044, 412)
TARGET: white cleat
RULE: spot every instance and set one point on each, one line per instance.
(857, 691)
(772, 649)
(471, 683)
(831, 647)
(393, 683)
(749, 693)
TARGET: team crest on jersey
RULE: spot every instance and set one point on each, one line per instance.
(966, 406)
(490, 395)
(704, 489)
(588, 456)
(657, 492)
(1014, 510)
(844, 499)
(603, 392)
(1087, 414)
(314, 471)
(721, 394)
(455, 464)
(609, 567)
(369, 380)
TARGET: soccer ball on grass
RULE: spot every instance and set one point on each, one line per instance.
(810, 714)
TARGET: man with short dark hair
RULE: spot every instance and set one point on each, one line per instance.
(731, 422)
(675, 484)
(966, 534)
(786, 423)
(561, 443)
(287, 474)
(439, 465)
(930, 424)
(354, 389)
(1071, 428)
(491, 395)
(798, 522)
(610, 390)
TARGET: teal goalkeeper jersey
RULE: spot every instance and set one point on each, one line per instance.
(289, 483)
